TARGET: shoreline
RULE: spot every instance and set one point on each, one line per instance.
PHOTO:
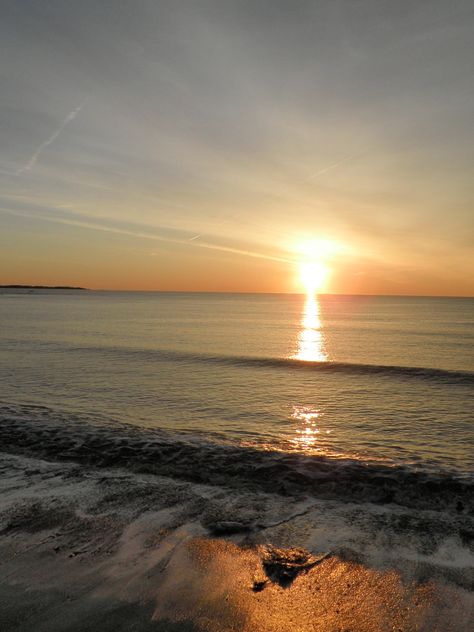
(87, 549)
(41, 287)
(96, 443)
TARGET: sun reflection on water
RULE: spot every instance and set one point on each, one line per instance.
(307, 433)
(310, 339)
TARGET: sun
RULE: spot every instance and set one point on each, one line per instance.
(315, 258)
(313, 276)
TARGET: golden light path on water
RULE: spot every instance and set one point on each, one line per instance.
(310, 348)
(310, 339)
(308, 431)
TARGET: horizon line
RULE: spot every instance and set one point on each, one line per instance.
(25, 286)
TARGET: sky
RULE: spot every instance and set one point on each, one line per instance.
(221, 145)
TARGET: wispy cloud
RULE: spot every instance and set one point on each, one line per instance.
(34, 157)
(144, 235)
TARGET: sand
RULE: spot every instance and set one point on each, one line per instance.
(84, 549)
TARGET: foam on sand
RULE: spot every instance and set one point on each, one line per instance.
(86, 549)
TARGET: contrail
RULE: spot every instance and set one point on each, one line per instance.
(333, 166)
(34, 158)
(142, 235)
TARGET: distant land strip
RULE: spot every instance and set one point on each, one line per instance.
(41, 287)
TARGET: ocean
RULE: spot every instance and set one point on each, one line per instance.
(374, 381)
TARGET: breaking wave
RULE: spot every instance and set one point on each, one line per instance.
(62, 436)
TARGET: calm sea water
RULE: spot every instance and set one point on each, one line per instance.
(386, 379)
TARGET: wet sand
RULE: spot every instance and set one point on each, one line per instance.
(84, 549)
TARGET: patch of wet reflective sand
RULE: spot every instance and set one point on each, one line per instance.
(213, 584)
(84, 550)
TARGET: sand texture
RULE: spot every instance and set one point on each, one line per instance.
(84, 549)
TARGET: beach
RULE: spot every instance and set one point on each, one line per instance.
(86, 549)
(154, 478)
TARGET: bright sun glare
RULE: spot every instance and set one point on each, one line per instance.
(313, 276)
(314, 270)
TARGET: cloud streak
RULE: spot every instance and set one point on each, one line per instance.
(142, 235)
(34, 158)
(333, 166)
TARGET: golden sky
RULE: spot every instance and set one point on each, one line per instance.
(218, 146)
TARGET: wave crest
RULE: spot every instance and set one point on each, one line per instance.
(59, 436)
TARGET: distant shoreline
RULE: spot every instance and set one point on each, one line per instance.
(41, 287)
(224, 292)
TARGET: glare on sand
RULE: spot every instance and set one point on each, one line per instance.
(219, 586)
